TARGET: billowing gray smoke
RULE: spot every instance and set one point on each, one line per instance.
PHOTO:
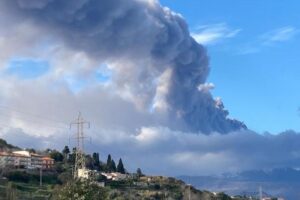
(150, 48)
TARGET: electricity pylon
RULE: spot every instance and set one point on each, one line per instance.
(80, 157)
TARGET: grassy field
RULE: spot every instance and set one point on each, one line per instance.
(24, 191)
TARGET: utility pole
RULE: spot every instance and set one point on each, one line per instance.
(189, 191)
(260, 193)
(41, 177)
(80, 157)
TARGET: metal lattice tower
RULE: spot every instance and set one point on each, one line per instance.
(80, 157)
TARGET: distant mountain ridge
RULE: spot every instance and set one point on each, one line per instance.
(274, 175)
(278, 182)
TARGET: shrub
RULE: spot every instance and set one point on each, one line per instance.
(81, 189)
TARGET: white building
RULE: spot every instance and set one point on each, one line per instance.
(115, 176)
(25, 159)
(83, 173)
(14, 160)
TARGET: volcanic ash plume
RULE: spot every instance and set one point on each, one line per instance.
(153, 58)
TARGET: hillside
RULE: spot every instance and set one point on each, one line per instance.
(143, 188)
(23, 183)
(4, 146)
(147, 187)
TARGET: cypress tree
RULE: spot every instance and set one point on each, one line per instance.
(108, 163)
(113, 167)
(120, 167)
(96, 159)
(139, 172)
(66, 152)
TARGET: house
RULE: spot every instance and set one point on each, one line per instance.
(14, 160)
(6, 159)
(115, 176)
(84, 173)
(36, 161)
(21, 161)
(25, 159)
(47, 162)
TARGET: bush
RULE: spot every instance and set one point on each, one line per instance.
(64, 177)
(81, 189)
(18, 176)
(156, 187)
(34, 177)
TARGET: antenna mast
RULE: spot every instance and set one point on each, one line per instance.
(80, 157)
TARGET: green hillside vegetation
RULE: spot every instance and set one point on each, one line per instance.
(4, 146)
(24, 191)
(142, 188)
(58, 183)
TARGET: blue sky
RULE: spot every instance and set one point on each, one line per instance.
(254, 50)
(27, 68)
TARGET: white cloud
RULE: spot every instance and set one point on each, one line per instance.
(269, 38)
(210, 34)
(159, 150)
(206, 87)
(148, 136)
(280, 35)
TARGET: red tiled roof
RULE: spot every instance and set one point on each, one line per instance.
(47, 158)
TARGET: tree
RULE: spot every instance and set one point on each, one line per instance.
(113, 167)
(89, 163)
(81, 189)
(31, 150)
(66, 152)
(48, 151)
(72, 156)
(108, 162)
(96, 159)
(120, 167)
(65, 177)
(57, 156)
(139, 172)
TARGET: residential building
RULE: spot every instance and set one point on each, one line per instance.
(6, 159)
(115, 176)
(48, 163)
(36, 161)
(25, 159)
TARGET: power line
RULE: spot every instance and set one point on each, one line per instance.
(31, 118)
(36, 116)
(3, 126)
(30, 121)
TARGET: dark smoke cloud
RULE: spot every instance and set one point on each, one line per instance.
(149, 47)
